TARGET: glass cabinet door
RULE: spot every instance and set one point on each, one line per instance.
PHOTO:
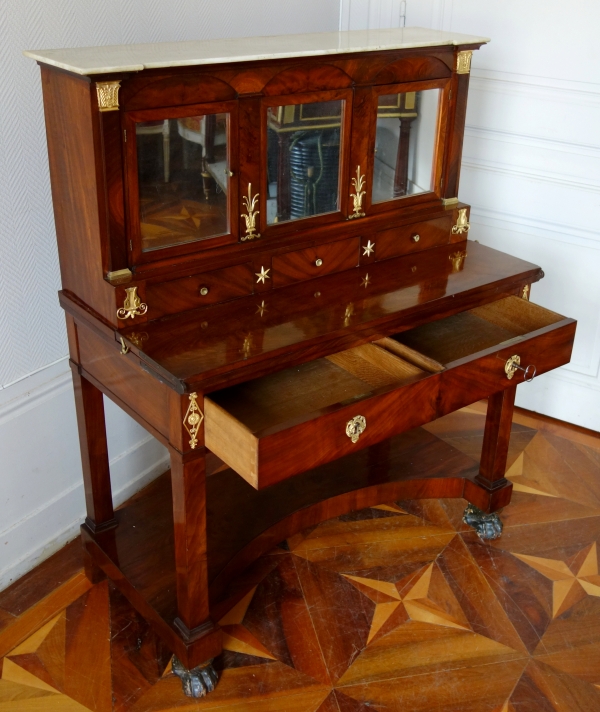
(303, 160)
(405, 143)
(183, 179)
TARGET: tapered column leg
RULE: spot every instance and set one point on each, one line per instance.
(89, 406)
(492, 468)
(496, 439)
(189, 510)
(193, 621)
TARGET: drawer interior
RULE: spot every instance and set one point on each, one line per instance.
(295, 394)
(484, 327)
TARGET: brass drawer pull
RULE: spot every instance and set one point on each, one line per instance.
(318, 262)
(415, 238)
(514, 363)
(356, 427)
(203, 291)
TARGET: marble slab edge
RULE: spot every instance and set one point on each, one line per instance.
(135, 58)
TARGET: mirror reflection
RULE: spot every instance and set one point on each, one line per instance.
(183, 177)
(303, 160)
(405, 144)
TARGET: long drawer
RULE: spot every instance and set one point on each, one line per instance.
(282, 424)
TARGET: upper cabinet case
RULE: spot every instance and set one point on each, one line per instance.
(282, 160)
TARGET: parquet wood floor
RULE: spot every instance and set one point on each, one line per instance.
(398, 607)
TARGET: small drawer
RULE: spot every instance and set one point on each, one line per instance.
(475, 348)
(315, 261)
(287, 422)
(199, 290)
(412, 238)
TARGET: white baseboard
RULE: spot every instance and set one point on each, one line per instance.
(41, 490)
(558, 396)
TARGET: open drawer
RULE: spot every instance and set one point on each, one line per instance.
(284, 423)
(489, 348)
(287, 422)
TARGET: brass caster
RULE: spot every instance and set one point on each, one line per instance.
(197, 682)
(487, 526)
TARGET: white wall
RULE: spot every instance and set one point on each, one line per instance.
(41, 496)
(531, 162)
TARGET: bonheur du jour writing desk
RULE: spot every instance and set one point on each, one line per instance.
(264, 262)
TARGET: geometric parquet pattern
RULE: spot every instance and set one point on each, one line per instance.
(398, 607)
(179, 221)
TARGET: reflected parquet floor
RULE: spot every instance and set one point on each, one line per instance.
(398, 607)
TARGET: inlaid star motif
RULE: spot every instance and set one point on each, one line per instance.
(573, 579)
(419, 595)
(261, 308)
(368, 248)
(190, 216)
(166, 220)
(262, 275)
(366, 281)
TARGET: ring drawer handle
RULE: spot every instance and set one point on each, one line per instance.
(356, 427)
(514, 363)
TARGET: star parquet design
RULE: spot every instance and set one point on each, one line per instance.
(399, 607)
(172, 220)
(572, 580)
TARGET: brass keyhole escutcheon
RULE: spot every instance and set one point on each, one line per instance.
(513, 365)
(510, 367)
(319, 262)
(415, 238)
(356, 427)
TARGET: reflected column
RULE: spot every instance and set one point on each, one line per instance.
(401, 174)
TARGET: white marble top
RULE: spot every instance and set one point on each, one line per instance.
(136, 57)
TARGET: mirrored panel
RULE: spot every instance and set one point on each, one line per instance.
(183, 177)
(405, 144)
(303, 160)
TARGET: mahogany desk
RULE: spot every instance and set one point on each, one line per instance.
(265, 263)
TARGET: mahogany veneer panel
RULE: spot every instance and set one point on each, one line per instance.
(76, 176)
(121, 376)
